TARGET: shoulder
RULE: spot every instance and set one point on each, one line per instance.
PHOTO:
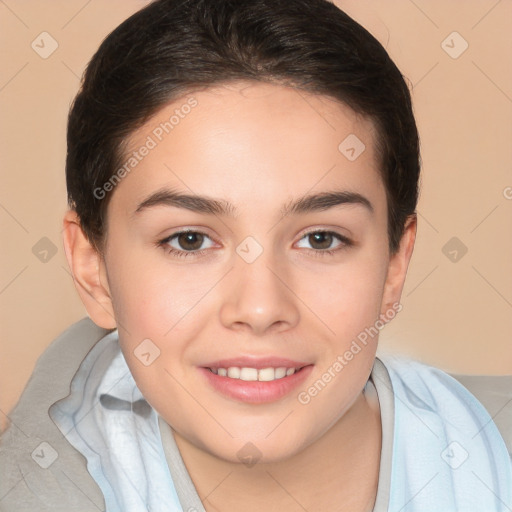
(491, 393)
(40, 469)
(494, 392)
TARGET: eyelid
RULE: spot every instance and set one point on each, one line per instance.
(179, 231)
(343, 233)
(332, 231)
(168, 238)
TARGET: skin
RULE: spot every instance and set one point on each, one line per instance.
(258, 146)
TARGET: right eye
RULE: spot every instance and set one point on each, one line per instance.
(189, 240)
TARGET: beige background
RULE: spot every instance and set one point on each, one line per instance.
(456, 315)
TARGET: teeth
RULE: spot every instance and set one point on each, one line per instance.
(248, 374)
(253, 374)
(234, 372)
(267, 374)
(280, 372)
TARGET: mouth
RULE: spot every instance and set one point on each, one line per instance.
(258, 383)
(249, 374)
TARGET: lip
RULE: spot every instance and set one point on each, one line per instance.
(255, 362)
(256, 392)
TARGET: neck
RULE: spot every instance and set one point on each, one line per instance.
(338, 471)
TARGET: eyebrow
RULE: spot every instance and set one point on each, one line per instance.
(210, 206)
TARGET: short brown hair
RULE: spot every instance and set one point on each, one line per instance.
(173, 46)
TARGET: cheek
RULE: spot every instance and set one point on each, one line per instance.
(347, 298)
(150, 295)
(349, 306)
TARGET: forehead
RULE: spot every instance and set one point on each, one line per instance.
(252, 140)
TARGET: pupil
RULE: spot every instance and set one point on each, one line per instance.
(187, 240)
(326, 239)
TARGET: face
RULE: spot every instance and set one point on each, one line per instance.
(270, 269)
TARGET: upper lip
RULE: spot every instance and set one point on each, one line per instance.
(256, 362)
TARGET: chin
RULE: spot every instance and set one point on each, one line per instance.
(250, 451)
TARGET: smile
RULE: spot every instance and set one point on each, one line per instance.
(252, 385)
(253, 374)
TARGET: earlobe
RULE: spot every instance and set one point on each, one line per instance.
(398, 264)
(86, 265)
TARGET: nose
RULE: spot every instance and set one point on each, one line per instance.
(258, 297)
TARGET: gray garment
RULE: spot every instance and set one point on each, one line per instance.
(41, 471)
(25, 485)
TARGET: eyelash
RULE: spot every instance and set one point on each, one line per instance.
(345, 242)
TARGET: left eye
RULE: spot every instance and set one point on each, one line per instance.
(325, 239)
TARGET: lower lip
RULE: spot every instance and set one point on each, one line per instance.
(257, 392)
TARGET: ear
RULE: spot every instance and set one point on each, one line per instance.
(397, 267)
(89, 272)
